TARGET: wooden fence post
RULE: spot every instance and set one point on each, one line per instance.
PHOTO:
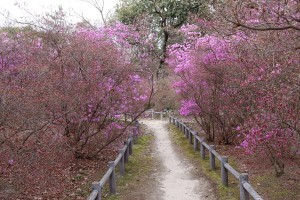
(130, 145)
(195, 142)
(202, 148)
(187, 132)
(152, 114)
(170, 120)
(112, 178)
(126, 154)
(121, 163)
(134, 139)
(161, 115)
(96, 186)
(244, 195)
(190, 137)
(212, 158)
(224, 171)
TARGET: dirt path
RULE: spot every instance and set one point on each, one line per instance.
(175, 176)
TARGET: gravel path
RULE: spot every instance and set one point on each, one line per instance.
(175, 175)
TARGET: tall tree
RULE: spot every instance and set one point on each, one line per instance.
(164, 15)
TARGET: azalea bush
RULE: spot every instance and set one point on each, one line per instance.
(241, 85)
(70, 85)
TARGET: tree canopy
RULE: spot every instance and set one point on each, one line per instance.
(163, 16)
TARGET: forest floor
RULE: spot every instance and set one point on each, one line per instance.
(54, 176)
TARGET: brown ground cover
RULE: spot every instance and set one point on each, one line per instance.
(52, 172)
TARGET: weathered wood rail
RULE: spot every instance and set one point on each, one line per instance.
(110, 174)
(245, 188)
(153, 113)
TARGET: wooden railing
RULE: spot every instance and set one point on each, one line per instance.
(110, 174)
(245, 188)
(153, 113)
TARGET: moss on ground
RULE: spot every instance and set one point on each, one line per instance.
(228, 193)
(139, 165)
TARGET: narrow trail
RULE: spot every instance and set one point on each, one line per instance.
(176, 177)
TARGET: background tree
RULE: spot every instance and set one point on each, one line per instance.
(163, 18)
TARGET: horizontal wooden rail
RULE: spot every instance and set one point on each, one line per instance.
(245, 188)
(106, 176)
(206, 146)
(93, 195)
(216, 154)
(110, 176)
(232, 170)
(251, 191)
(120, 156)
(161, 113)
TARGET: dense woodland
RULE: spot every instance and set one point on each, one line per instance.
(232, 67)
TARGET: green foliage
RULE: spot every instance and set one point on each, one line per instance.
(163, 16)
(14, 30)
(172, 13)
(128, 11)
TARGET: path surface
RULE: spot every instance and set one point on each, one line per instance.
(176, 177)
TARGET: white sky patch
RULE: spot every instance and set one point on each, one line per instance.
(74, 8)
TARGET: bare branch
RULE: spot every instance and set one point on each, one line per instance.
(100, 7)
(256, 28)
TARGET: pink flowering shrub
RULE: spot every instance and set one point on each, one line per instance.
(72, 83)
(239, 89)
